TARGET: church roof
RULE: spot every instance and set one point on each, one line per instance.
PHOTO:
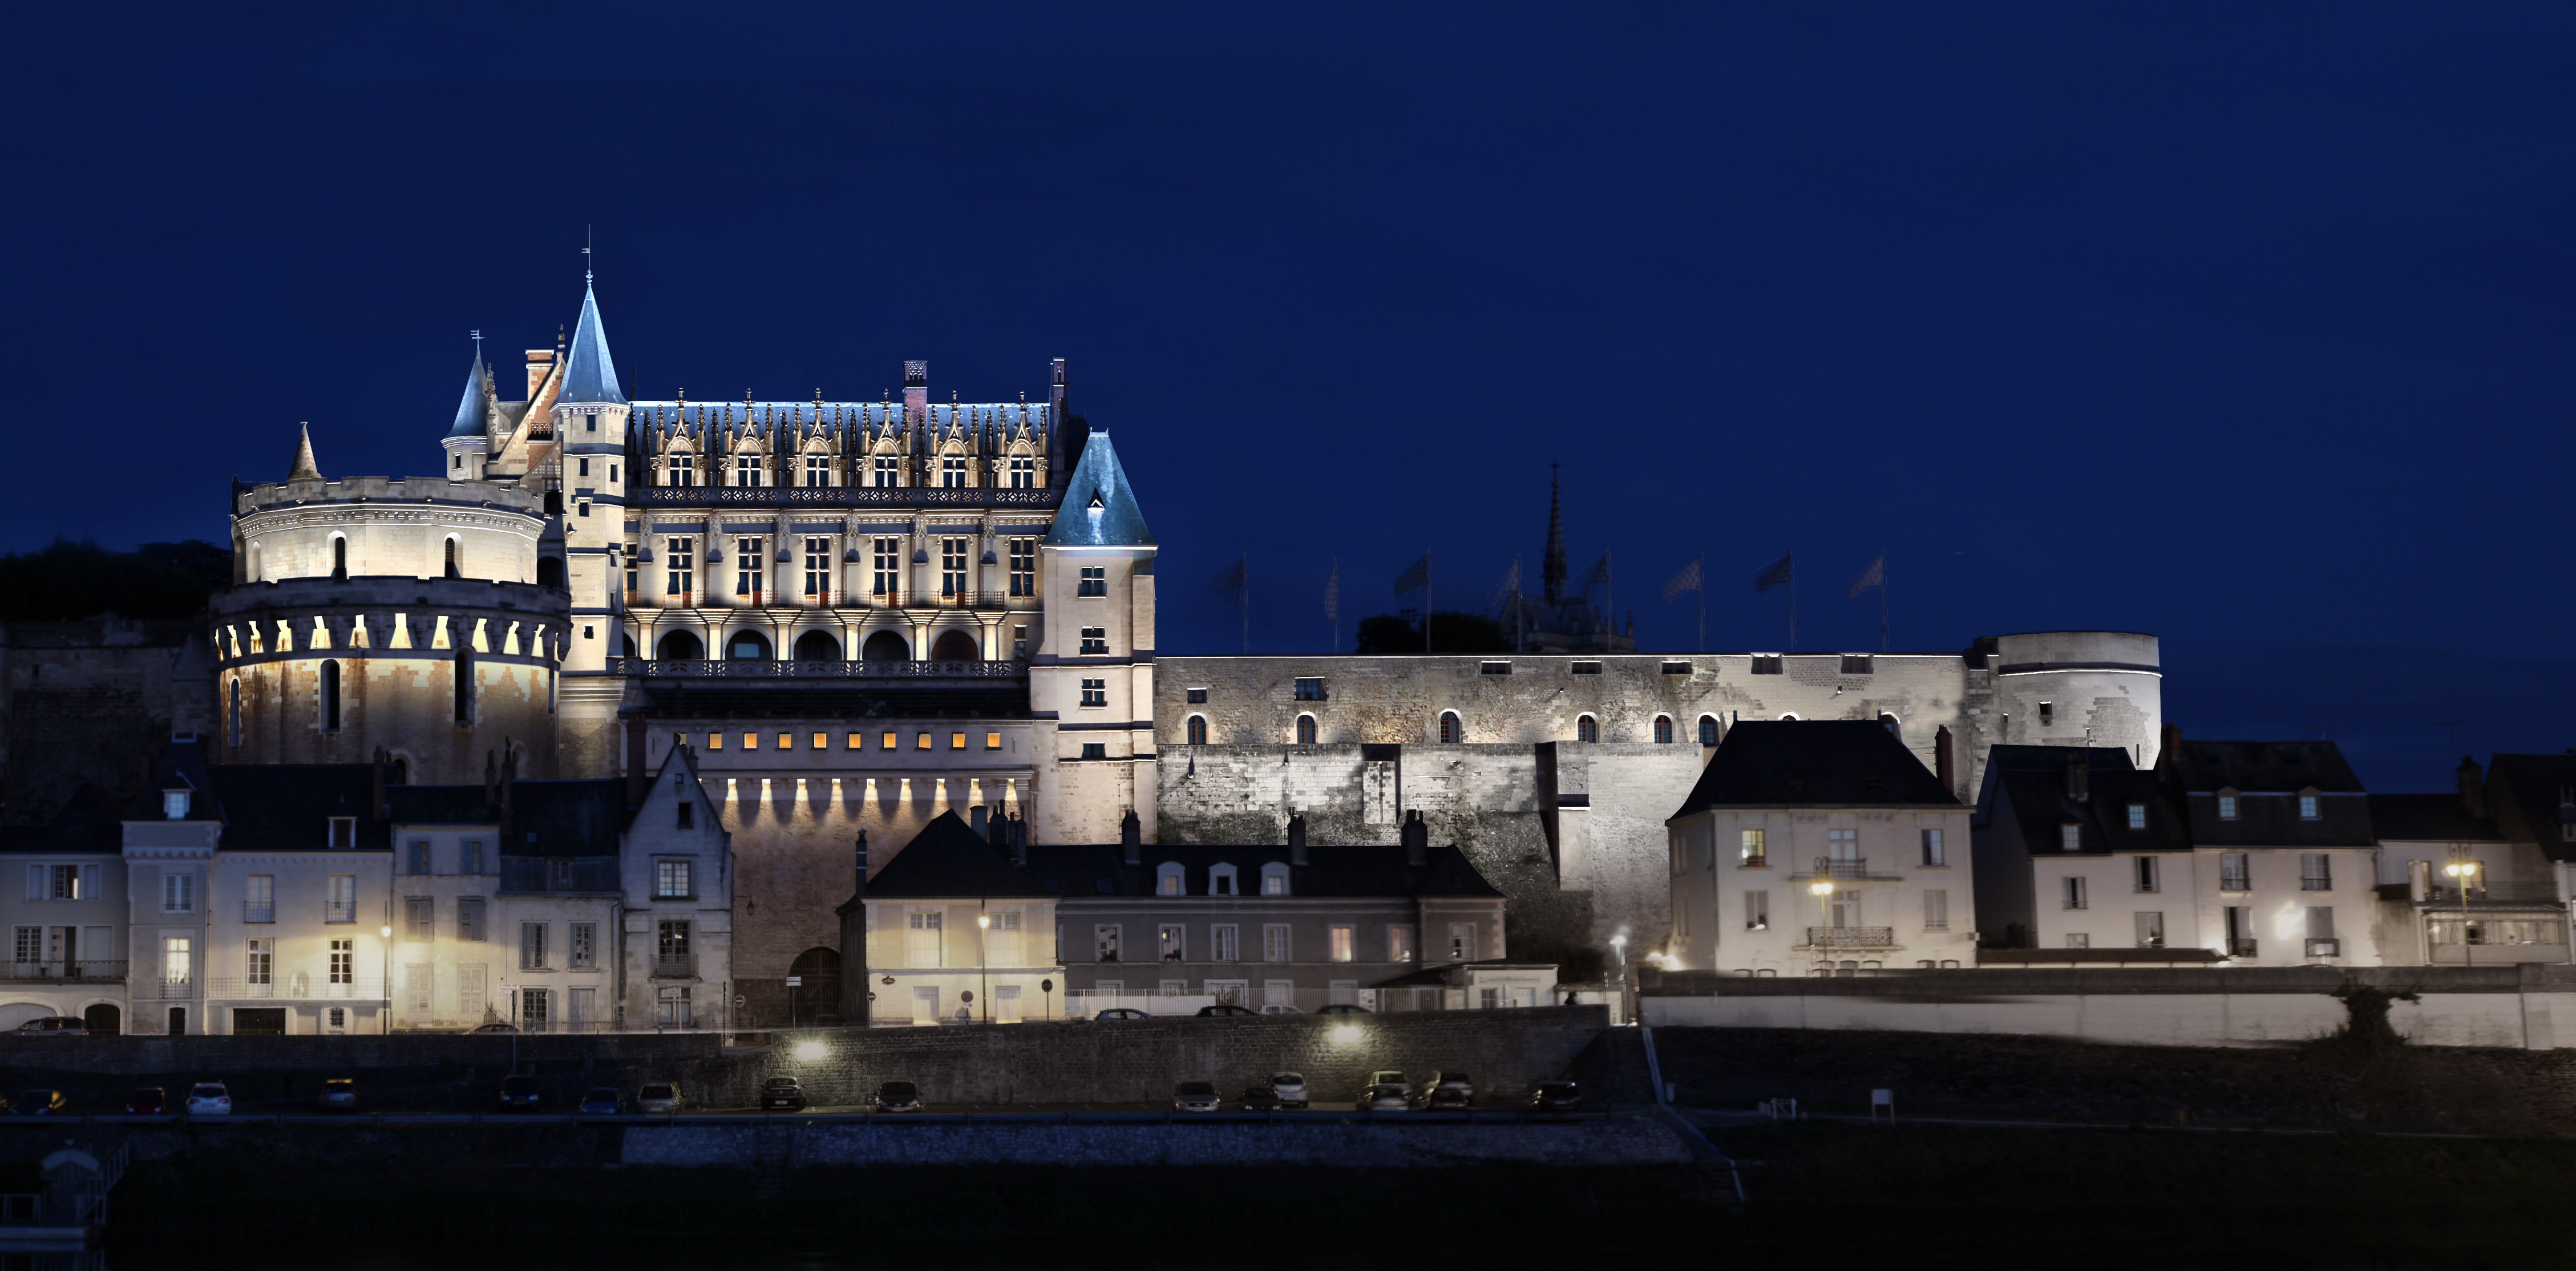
(1099, 510)
(590, 375)
(469, 411)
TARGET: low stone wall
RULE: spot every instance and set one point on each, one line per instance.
(1045, 1064)
(2527, 1007)
(1590, 1141)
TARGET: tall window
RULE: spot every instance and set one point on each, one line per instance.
(2137, 816)
(259, 898)
(469, 918)
(455, 560)
(532, 946)
(1094, 581)
(177, 962)
(671, 880)
(1198, 730)
(952, 567)
(1104, 943)
(2070, 837)
(1221, 943)
(818, 469)
(331, 696)
(2227, 807)
(585, 945)
(1936, 910)
(1664, 729)
(747, 563)
(344, 957)
(2316, 872)
(1274, 942)
(818, 568)
(1708, 730)
(178, 892)
(1024, 473)
(1024, 566)
(420, 917)
(1935, 852)
(340, 900)
(2148, 878)
(672, 943)
(1305, 730)
(1341, 943)
(952, 472)
(680, 470)
(1095, 692)
(1754, 852)
(889, 567)
(2073, 892)
(235, 726)
(888, 471)
(259, 960)
(1173, 942)
(2235, 872)
(680, 561)
(1587, 728)
(1842, 847)
(1095, 640)
(746, 470)
(1400, 946)
(2308, 807)
(1451, 731)
(469, 857)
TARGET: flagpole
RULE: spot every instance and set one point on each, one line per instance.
(1244, 571)
(1882, 600)
(1700, 563)
(1426, 602)
(1793, 599)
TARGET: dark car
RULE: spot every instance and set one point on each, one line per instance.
(39, 1103)
(1384, 1099)
(1122, 1012)
(521, 1094)
(1341, 1008)
(494, 1028)
(1227, 1012)
(54, 1026)
(1555, 1096)
(898, 1096)
(1260, 1099)
(782, 1093)
(148, 1101)
(602, 1101)
(339, 1094)
(1196, 1096)
(1446, 1098)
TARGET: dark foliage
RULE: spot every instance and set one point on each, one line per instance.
(81, 579)
(1451, 632)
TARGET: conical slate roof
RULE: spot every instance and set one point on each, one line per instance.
(590, 375)
(469, 412)
(1099, 510)
(304, 469)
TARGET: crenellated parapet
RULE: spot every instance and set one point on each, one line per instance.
(425, 528)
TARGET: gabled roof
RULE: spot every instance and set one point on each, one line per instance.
(469, 411)
(1099, 510)
(2042, 805)
(288, 807)
(590, 375)
(2429, 818)
(2279, 767)
(547, 818)
(1801, 763)
(948, 858)
(2265, 776)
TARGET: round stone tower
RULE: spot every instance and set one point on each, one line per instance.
(376, 613)
(2080, 688)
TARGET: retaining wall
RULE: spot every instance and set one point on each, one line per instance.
(1589, 1141)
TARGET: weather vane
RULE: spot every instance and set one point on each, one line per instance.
(478, 346)
(585, 253)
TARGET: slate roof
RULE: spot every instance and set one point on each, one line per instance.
(2041, 805)
(89, 821)
(547, 818)
(2267, 776)
(590, 375)
(1823, 762)
(469, 411)
(288, 807)
(2528, 793)
(2205, 767)
(949, 859)
(2439, 818)
(1099, 509)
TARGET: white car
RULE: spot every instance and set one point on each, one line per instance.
(209, 1099)
(1390, 1077)
(1291, 1089)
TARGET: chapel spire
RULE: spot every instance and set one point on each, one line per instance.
(304, 470)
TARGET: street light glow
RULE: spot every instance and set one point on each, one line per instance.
(1346, 1034)
(809, 1050)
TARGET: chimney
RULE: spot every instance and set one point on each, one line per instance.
(636, 776)
(2078, 776)
(1018, 834)
(916, 389)
(383, 812)
(2169, 744)
(1941, 760)
(541, 363)
(975, 818)
(862, 859)
(509, 778)
(491, 779)
(1297, 839)
(1417, 839)
(2473, 786)
(1131, 838)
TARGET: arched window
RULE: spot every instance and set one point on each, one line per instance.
(1708, 730)
(236, 713)
(747, 646)
(1663, 730)
(398, 772)
(1888, 722)
(1305, 730)
(1274, 879)
(464, 687)
(817, 646)
(1587, 728)
(885, 646)
(1168, 880)
(331, 697)
(1198, 730)
(455, 560)
(339, 557)
(680, 646)
(1788, 715)
(956, 646)
(254, 574)
(1451, 731)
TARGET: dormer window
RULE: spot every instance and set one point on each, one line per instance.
(1221, 881)
(2227, 806)
(2137, 816)
(174, 805)
(344, 831)
(1167, 879)
(2070, 837)
(1274, 879)
(2308, 807)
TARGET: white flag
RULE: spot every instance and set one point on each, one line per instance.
(1687, 580)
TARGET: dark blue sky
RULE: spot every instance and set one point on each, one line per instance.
(2252, 326)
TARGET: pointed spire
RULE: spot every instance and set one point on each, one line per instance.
(1553, 570)
(590, 375)
(469, 411)
(304, 469)
(1101, 510)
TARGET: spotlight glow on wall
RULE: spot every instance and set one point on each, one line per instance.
(1346, 1034)
(809, 1050)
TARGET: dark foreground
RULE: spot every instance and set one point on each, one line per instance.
(1823, 1195)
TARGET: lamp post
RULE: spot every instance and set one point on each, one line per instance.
(983, 978)
(385, 1021)
(2461, 871)
(1824, 894)
(1619, 947)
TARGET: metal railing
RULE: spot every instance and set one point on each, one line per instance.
(337, 911)
(850, 496)
(258, 913)
(80, 970)
(1826, 867)
(2324, 947)
(2240, 948)
(177, 988)
(295, 988)
(1850, 937)
(2497, 893)
(675, 966)
(2235, 882)
(766, 669)
(2314, 883)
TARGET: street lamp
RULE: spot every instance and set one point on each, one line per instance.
(983, 978)
(2461, 871)
(385, 1019)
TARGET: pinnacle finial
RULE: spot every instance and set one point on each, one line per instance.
(304, 469)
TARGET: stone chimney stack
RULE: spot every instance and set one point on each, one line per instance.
(975, 818)
(1131, 838)
(1417, 839)
(1297, 839)
(916, 389)
(636, 777)
(1942, 763)
(1019, 837)
(541, 363)
(2078, 776)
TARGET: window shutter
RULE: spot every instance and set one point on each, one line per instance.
(89, 882)
(35, 882)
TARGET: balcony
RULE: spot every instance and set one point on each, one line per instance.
(2524, 894)
(2235, 882)
(41, 972)
(295, 988)
(180, 987)
(1851, 937)
(256, 912)
(762, 669)
(2324, 947)
(675, 966)
(1855, 869)
(2240, 948)
(338, 911)
(848, 496)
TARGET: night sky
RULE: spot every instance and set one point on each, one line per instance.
(2251, 326)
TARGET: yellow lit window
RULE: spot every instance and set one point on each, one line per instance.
(787, 741)
(855, 743)
(822, 741)
(921, 741)
(751, 741)
(956, 741)
(715, 741)
(992, 741)
(889, 742)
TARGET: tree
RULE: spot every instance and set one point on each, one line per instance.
(69, 580)
(1451, 632)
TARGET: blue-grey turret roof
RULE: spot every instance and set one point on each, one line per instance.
(1099, 510)
(590, 375)
(469, 412)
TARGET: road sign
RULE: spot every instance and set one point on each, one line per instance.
(795, 981)
(967, 996)
(739, 1001)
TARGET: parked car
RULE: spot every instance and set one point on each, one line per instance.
(1196, 1096)
(1223, 1011)
(54, 1026)
(339, 1094)
(1341, 1008)
(209, 1099)
(520, 1093)
(1555, 1096)
(602, 1101)
(1260, 1099)
(1278, 1009)
(39, 1103)
(1382, 1098)
(1457, 1081)
(1291, 1089)
(1445, 1099)
(657, 1098)
(1390, 1077)
(148, 1101)
(898, 1096)
(782, 1093)
(1122, 1012)
(493, 1028)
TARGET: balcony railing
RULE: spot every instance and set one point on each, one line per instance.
(675, 966)
(1850, 937)
(1826, 867)
(340, 912)
(297, 988)
(2240, 948)
(2235, 882)
(2499, 893)
(2324, 947)
(765, 669)
(258, 913)
(177, 987)
(2312, 883)
(87, 970)
(849, 496)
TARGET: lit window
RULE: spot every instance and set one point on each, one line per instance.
(992, 741)
(1753, 850)
(857, 741)
(751, 741)
(822, 741)
(887, 743)
(2227, 807)
(921, 741)
(787, 741)
(2137, 816)
(956, 741)
(1167, 879)
(2070, 837)
(2307, 807)
(1343, 943)
(671, 880)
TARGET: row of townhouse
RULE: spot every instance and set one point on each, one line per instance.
(1825, 847)
(985, 927)
(322, 898)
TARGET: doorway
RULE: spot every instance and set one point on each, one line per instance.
(103, 1020)
(178, 1020)
(956, 646)
(818, 972)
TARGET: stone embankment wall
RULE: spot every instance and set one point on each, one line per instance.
(1043, 1064)
(2524, 1007)
(1589, 1141)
